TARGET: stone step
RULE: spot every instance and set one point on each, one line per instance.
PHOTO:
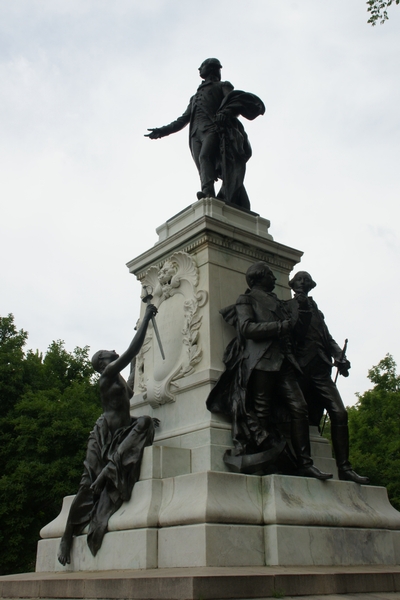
(207, 583)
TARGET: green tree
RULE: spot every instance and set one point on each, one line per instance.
(374, 424)
(11, 363)
(378, 11)
(49, 405)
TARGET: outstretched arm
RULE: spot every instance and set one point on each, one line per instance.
(180, 123)
(123, 361)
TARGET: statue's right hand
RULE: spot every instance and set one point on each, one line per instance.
(154, 134)
(285, 327)
(302, 301)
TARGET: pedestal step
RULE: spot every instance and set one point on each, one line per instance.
(237, 583)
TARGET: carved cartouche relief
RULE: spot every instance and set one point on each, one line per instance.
(175, 294)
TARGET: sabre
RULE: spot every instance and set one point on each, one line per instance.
(146, 299)
(342, 355)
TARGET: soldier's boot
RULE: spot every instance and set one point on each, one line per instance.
(300, 435)
(207, 190)
(340, 443)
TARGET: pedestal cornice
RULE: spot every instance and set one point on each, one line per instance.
(210, 221)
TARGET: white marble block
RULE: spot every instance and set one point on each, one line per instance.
(292, 545)
(211, 545)
(211, 497)
(306, 501)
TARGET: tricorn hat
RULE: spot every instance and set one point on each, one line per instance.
(211, 61)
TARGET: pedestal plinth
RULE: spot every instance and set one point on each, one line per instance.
(214, 519)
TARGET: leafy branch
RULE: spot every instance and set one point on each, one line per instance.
(377, 10)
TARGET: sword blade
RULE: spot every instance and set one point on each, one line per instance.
(155, 327)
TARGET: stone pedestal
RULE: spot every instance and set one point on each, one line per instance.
(187, 510)
(196, 268)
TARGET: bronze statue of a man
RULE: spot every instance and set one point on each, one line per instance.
(262, 371)
(314, 353)
(114, 452)
(217, 139)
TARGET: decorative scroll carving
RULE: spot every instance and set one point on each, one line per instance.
(175, 294)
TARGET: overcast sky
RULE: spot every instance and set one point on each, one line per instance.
(82, 191)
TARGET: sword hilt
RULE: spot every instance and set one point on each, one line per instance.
(147, 299)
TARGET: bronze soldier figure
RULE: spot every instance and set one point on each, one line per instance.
(314, 354)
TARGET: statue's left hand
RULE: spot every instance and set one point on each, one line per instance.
(156, 422)
(220, 121)
(220, 118)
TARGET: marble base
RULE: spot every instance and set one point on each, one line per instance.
(228, 545)
(226, 519)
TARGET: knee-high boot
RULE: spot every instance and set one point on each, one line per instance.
(340, 443)
(300, 435)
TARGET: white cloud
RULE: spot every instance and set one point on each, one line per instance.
(82, 190)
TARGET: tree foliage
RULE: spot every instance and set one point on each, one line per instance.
(11, 363)
(374, 425)
(48, 406)
(377, 10)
